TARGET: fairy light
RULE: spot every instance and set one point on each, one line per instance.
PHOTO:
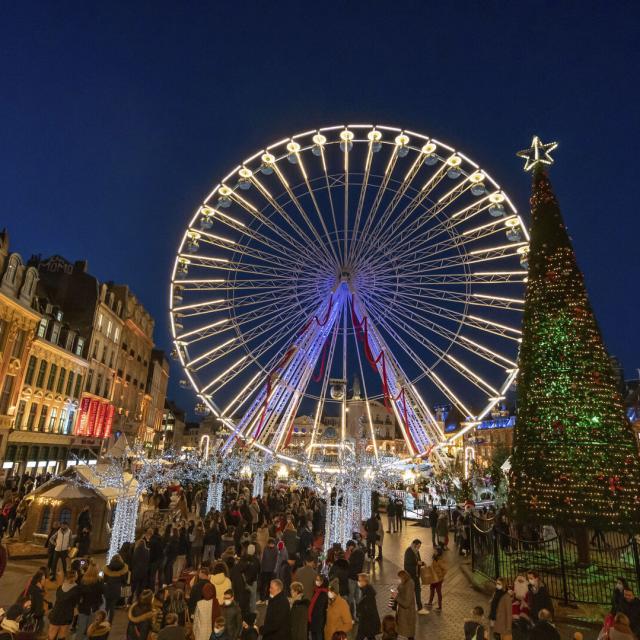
(575, 460)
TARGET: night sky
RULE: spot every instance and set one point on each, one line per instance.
(118, 117)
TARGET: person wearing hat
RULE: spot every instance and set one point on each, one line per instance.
(338, 612)
(207, 612)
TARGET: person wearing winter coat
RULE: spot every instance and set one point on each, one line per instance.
(299, 612)
(473, 627)
(338, 614)
(207, 612)
(195, 594)
(267, 567)
(500, 614)
(306, 575)
(368, 616)
(220, 580)
(91, 591)
(543, 629)
(61, 615)
(621, 629)
(412, 564)
(139, 567)
(318, 608)
(340, 571)
(99, 629)
(435, 577)
(442, 530)
(406, 606)
(142, 617)
(277, 620)
(115, 577)
(36, 595)
(539, 597)
(232, 616)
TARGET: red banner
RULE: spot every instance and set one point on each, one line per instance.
(99, 428)
(108, 421)
(93, 410)
(81, 422)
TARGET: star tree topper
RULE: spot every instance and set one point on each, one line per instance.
(539, 153)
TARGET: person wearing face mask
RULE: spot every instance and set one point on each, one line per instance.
(539, 597)
(317, 616)
(617, 597)
(219, 631)
(500, 618)
(368, 616)
(299, 612)
(277, 620)
(338, 613)
(232, 616)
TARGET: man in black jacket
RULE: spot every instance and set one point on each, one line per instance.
(412, 564)
(277, 620)
(630, 606)
(195, 595)
(539, 597)
(356, 566)
(139, 567)
(433, 521)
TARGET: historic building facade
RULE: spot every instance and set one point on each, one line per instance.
(18, 321)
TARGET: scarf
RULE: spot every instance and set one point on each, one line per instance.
(317, 593)
(497, 595)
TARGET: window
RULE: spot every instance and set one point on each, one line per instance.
(65, 516)
(107, 388)
(52, 377)
(55, 333)
(10, 275)
(41, 372)
(99, 384)
(18, 345)
(111, 360)
(45, 520)
(20, 415)
(109, 328)
(96, 349)
(100, 321)
(43, 418)
(52, 419)
(76, 393)
(70, 419)
(42, 328)
(116, 335)
(63, 421)
(60, 385)
(32, 416)
(5, 396)
(69, 388)
(89, 382)
(31, 369)
(79, 346)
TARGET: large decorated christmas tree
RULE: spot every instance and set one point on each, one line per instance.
(575, 459)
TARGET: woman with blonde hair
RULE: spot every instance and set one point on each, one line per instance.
(91, 591)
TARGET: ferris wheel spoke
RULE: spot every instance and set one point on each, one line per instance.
(443, 356)
(234, 246)
(444, 279)
(330, 196)
(234, 343)
(402, 319)
(303, 245)
(317, 208)
(476, 322)
(382, 187)
(316, 247)
(361, 199)
(366, 397)
(455, 243)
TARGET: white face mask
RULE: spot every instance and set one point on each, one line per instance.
(318, 583)
(227, 603)
(332, 596)
(218, 631)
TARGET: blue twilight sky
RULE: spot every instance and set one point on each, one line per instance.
(117, 117)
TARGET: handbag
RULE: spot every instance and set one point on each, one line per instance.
(427, 575)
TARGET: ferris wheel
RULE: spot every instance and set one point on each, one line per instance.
(345, 251)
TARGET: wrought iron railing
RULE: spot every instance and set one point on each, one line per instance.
(559, 561)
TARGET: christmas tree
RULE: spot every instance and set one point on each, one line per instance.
(575, 459)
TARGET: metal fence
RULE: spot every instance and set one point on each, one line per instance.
(557, 561)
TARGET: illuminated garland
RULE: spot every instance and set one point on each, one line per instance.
(575, 459)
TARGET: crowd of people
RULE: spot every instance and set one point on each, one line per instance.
(257, 569)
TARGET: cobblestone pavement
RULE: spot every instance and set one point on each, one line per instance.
(458, 596)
